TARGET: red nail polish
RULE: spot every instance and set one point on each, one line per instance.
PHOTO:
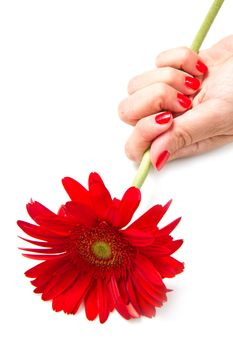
(183, 100)
(192, 83)
(163, 118)
(201, 67)
(162, 159)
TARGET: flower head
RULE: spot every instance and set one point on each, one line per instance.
(91, 257)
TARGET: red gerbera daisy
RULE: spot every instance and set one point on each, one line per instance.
(90, 256)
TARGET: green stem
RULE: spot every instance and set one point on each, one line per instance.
(145, 164)
(143, 170)
(206, 24)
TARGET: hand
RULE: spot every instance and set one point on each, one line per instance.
(202, 121)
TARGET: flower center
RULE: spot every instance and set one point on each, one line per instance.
(101, 249)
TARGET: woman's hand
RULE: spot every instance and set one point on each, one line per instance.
(199, 98)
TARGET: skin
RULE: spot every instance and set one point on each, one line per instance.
(206, 125)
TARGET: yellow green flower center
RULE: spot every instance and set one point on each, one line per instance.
(101, 249)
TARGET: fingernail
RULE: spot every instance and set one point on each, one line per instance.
(192, 83)
(162, 160)
(163, 118)
(201, 67)
(183, 100)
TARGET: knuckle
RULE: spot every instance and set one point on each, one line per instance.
(159, 59)
(127, 111)
(132, 85)
(185, 53)
(183, 138)
(123, 111)
(170, 74)
(162, 89)
(160, 93)
(197, 148)
(143, 130)
(129, 151)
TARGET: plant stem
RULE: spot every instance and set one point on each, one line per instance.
(145, 164)
(206, 24)
(143, 170)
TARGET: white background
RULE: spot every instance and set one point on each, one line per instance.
(64, 68)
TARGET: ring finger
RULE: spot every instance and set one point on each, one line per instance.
(150, 100)
(178, 79)
(145, 131)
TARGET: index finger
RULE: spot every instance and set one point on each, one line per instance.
(182, 58)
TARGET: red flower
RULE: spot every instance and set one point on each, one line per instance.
(91, 258)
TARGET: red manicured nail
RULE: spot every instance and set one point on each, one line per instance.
(183, 100)
(162, 160)
(163, 118)
(192, 83)
(201, 67)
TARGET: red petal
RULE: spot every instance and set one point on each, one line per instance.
(174, 245)
(61, 211)
(110, 298)
(49, 275)
(44, 244)
(118, 302)
(44, 257)
(45, 251)
(155, 295)
(168, 266)
(76, 191)
(36, 209)
(151, 218)
(100, 196)
(70, 300)
(52, 282)
(148, 270)
(155, 250)
(148, 310)
(91, 307)
(81, 291)
(143, 292)
(132, 311)
(82, 214)
(157, 291)
(123, 290)
(45, 267)
(59, 283)
(58, 224)
(113, 211)
(138, 238)
(40, 284)
(67, 266)
(39, 232)
(167, 205)
(147, 221)
(128, 205)
(102, 300)
(133, 296)
(169, 228)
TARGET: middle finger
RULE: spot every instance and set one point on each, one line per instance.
(150, 100)
(178, 79)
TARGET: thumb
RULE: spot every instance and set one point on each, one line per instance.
(201, 122)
